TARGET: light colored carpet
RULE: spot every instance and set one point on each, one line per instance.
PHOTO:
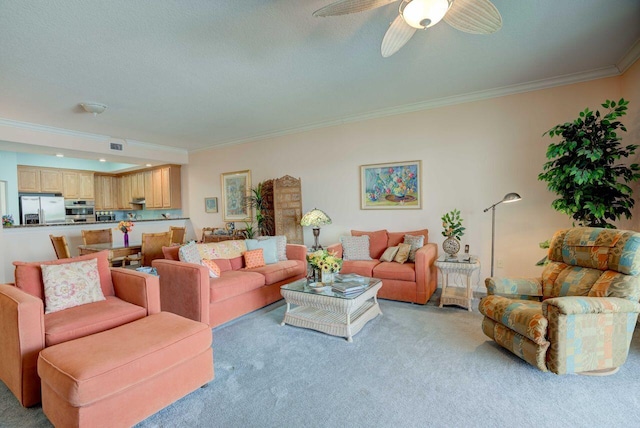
(414, 366)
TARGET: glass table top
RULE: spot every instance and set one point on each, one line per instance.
(319, 288)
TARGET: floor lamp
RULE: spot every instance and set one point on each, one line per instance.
(509, 197)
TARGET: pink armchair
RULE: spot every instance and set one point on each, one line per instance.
(25, 329)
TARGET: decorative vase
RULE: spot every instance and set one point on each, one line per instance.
(126, 239)
(327, 277)
(451, 246)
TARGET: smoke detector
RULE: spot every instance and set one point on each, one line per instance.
(95, 108)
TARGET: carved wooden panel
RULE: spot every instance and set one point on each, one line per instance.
(284, 207)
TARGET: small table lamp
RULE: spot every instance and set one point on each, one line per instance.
(315, 218)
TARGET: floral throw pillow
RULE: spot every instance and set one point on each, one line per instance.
(416, 243)
(71, 284)
(253, 258)
(188, 253)
(214, 269)
(355, 247)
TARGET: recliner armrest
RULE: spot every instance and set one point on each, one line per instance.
(574, 305)
(515, 288)
(138, 288)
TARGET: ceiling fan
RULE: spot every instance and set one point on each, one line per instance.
(470, 16)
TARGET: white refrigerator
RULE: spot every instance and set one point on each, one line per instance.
(42, 210)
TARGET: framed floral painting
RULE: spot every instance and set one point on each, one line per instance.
(236, 187)
(393, 185)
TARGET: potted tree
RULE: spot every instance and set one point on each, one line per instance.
(585, 168)
(258, 201)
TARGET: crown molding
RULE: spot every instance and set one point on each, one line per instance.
(536, 85)
(629, 58)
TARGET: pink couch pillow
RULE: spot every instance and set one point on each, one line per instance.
(377, 241)
(171, 253)
(28, 275)
(396, 238)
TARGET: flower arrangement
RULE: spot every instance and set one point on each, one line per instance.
(324, 261)
(452, 224)
(125, 226)
(7, 220)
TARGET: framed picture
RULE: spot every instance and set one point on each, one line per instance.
(393, 185)
(211, 205)
(236, 187)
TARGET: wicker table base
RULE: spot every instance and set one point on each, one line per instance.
(329, 314)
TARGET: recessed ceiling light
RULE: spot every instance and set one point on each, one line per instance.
(95, 108)
(149, 164)
(59, 155)
(102, 160)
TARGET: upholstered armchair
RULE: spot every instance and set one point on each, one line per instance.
(25, 328)
(581, 314)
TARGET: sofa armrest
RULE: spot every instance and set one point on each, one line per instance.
(297, 252)
(335, 249)
(137, 288)
(21, 340)
(577, 305)
(184, 289)
(515, 288)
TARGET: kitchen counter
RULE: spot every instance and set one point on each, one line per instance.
(17, 226)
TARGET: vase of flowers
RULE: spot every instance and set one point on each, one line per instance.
(125, 227)
(452, 230)
(7, 220)
(326, 263)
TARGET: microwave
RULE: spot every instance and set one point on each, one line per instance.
(79, 211)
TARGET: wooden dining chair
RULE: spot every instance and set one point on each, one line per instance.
(60, 247)
(152, 244)
(100, 236)
(178, 234)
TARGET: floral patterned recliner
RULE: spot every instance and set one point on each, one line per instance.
(580, 316)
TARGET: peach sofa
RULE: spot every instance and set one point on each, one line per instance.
(186, 288)
(25, 329)
(406, 282)
(119, 377)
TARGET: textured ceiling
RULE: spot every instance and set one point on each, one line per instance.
(199, 73)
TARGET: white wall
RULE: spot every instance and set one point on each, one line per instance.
(472, 155)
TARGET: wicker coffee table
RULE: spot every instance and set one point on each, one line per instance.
(329, 312)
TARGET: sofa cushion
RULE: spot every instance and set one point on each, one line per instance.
(377, 241)
(71, 284)
(361, 267)
(171, 253)
(280, 271)
(416, 243)
(224, 264)
(91, 318)
(389, 254)
(396, 238)
(390, 270)
(403, 253)
(355, 247)
(522, 316)
(28, 275)
(281, 245)
(237, 263)
(234, 283)
(269, 249)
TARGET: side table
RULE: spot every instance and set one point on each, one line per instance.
(452, 295)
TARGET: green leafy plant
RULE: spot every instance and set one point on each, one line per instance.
(248, 231)
(452, 225)
(258, 201)
(585, 171)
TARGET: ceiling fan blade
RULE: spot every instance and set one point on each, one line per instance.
(474, 16)
(397, 36)
(344, 7)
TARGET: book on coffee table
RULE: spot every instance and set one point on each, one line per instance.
(348, 287)
(350, 277)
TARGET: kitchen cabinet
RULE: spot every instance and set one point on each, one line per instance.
(125, 192)
(137, 185)
(171, 196)
(77, 184)
(39, 180)
(148, 188)
(106, 192)
(156, 181)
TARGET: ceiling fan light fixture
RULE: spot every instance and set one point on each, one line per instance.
(95, 108)
(423, 14)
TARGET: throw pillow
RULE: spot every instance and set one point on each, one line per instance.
(355, 247)
(253, 258)
(269, 249)
(189, 253)
(377, 241)
(71, 284)
(389, 254)
(281, 245)
(403, 253)
(214, 269)
(416, 243)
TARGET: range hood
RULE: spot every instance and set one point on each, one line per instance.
(138, 201)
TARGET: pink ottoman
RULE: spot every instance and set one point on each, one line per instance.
(121, 376)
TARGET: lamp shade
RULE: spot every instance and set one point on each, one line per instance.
(511, 197)
(315, 218)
